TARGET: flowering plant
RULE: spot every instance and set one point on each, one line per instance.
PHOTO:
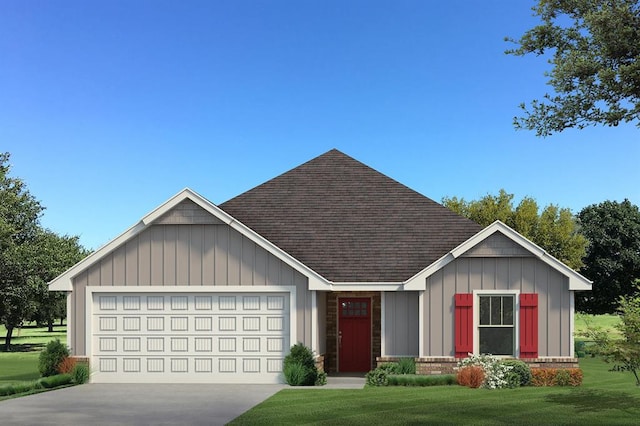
(495, 372)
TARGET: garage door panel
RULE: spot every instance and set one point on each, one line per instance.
(206, 338)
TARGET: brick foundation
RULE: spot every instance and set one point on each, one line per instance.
(448, 365)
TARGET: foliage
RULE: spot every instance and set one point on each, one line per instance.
(380, 375)
(471, 376)
(595, 64)
(554, 228)
(624, 353)
(29, 257)
(296, 374)
(556, 377)
(421, 380)
(495, 372)
(80, 373)
(55, 381)
(520, 374)
(51, 357)
(67, 365)
(299, 366)
(321, 379)
(613, 255)
(406, 366)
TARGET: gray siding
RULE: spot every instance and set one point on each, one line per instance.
(529, 275)
(190, 255)
(401, 320)
(497, 245)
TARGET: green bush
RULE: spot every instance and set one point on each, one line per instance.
(579, 347)
(299, 366)
(55, 381)
(51, 357)
(80, 373)
(321, 380)
(562, 378)
(296, 374)
(378, 377)
(520, 373)
(406, 366)
(421, 380)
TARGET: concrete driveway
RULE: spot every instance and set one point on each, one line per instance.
(132, 404)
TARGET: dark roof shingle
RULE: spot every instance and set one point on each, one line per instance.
(349, 222)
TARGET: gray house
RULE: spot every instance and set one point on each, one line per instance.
(332, 254)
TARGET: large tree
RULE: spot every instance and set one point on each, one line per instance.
(613, 255)
(19, 225)
(594, 48)
(51, 255)
(554, 228)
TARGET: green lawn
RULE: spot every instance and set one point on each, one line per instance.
(605, 398)
(607, 322)
(21, 364)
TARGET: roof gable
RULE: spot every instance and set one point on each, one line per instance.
(186, 207)
(349, 222)
(468, 248)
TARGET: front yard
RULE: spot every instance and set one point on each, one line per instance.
(604, 398)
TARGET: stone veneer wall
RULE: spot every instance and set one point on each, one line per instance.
(447, 365)
(331, 356)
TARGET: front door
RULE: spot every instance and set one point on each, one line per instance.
(354, 334)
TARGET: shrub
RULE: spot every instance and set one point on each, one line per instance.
(471, 376)
(379, 376)
(406, 366)
(321, 379)
(80, 373)
(55, 381)
(67, 365)
(51, 357)
(421, 380)
(299, 366)
(579, 348)
(495, 372)
(296, 374)
(556, 377)
(520, 373)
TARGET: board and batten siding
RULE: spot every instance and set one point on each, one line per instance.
(526, 274)
(189, 255)
(401, 331)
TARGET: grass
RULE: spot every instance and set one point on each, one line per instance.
(607, 322)
(605, 398)
(21, 364)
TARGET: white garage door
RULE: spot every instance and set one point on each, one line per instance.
(189, 337)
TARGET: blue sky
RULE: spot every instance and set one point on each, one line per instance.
(111, 107)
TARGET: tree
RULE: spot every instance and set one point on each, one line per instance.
(595, 67)
(613, 255)
(623, 353)
(554, 229)
(51, 255)
(19, 221)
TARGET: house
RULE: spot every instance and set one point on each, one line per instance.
(333, 254)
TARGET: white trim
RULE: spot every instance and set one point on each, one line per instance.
(64, 281)
(315, 343)
(576, 280)
(365, 286)
(421, 326)
(572, 323)
(383, 297)
(69, 316)
(516, 318)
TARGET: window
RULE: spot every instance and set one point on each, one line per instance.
(496, 333)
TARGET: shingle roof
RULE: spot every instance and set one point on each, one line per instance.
(349, 222)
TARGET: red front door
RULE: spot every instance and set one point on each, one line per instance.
(354, 334)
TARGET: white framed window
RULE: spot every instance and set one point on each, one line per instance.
(496, 322)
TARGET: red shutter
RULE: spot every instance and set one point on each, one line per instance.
(529, 325)
(464, 324)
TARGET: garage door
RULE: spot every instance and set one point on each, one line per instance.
(189, 338)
